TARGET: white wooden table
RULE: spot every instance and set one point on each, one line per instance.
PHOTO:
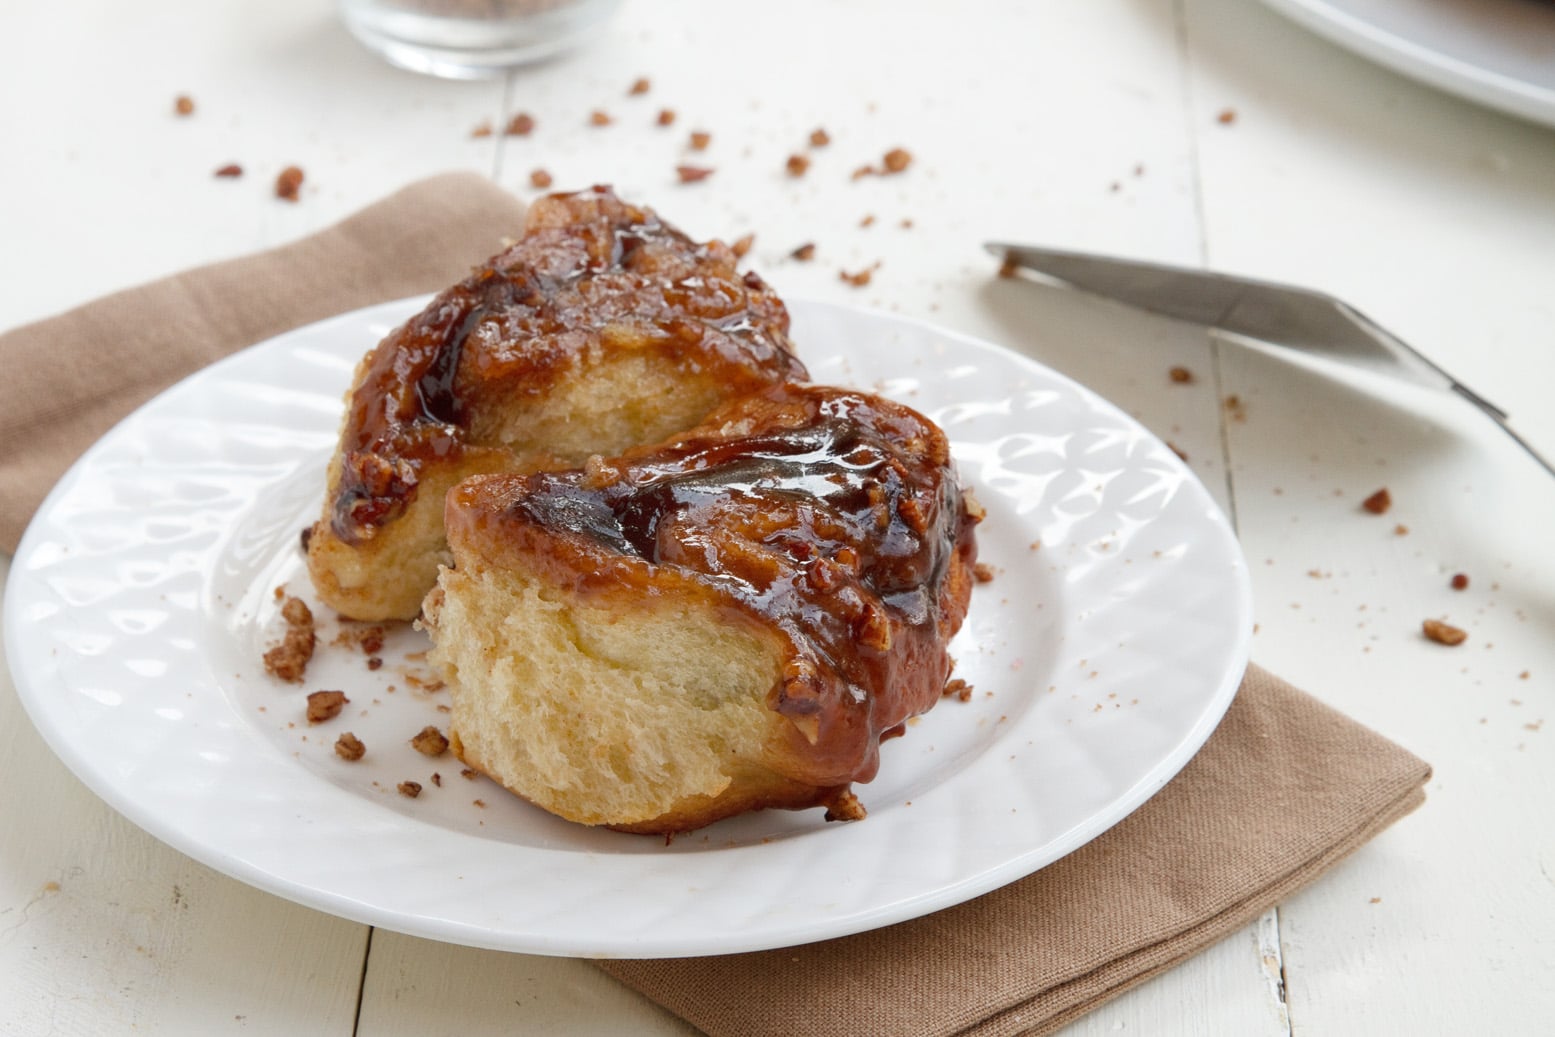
(1089, 125)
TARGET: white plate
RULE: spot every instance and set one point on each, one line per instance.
(1499, 53)
(141, 600)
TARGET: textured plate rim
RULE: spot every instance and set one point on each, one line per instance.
(411, 920)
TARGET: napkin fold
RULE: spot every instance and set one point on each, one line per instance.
(1284, 788)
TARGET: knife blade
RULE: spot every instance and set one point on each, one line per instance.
(1280, 315)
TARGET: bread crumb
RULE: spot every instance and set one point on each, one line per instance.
(521, 125)
(183, 104)
(1226, 117)
(843, 805)
(666, 117)
(863, 171)
(1180, 375)
(600, 117)
(797, 165)
(982, 572)
(804, 253)
(325, 705)
(231, 171)
(409, 789)
(469, 773)
(699, 140)
(819, 138)
(868, 220)
(1442, 633)
(349, 747)
(1379, 502)
(289, 183)
(1460, 581)
(429, 742)
(959, 688)
(639, 87)
(540, 178)
(1400, 530)
(483, 129)
(692, 174)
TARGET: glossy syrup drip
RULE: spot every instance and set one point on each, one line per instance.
(589, 271)
(835, 520)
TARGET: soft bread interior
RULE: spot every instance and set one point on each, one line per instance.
(617, 401)
(605, 713)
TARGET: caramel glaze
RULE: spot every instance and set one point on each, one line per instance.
(591, 273)
(833, 516)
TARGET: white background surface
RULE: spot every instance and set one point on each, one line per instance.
(1435, 217)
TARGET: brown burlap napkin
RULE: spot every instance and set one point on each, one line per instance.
(1283, 789)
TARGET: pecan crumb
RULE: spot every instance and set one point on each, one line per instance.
(375, 662)
(349, 747)
(741, 248)
(483, 129)
(897, 159)
(1180, 375)
(183, 104)
(699, 141)
(437, 779)
(797, 165)
(819, 138)
(666, 117)
(1379, 502)
(1442, 633)
(469, 773)
(1460, 581)
(863, 171)
(540, 178)
(600, 117)
(982, 572)
(1226, 117)
(230, 170)
(521, 125)
(804, 253)
(430, 742)
(868, 220)
(639, 87)
(325, 705)
(289, 659)
(691, 174)
(410, 789)
(857, 280)
(288, 183)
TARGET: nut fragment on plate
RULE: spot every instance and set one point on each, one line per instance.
(1443, 633)
(521, 125)
(231, 169)
(666, 117)
(540, 178)
(410, 789)
(430, 742)
(1180, 375)
(288, 660)
(819, 138)
(639, 87)
(804, 253)
(183, 104)
(796, 165)
(349, 747)
(325, 705)
(692, 174)
(699, 140)
(600, 117)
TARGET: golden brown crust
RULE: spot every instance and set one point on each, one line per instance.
(828, 520)
(603, 328)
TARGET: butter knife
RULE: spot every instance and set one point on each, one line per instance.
(1277, 314)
